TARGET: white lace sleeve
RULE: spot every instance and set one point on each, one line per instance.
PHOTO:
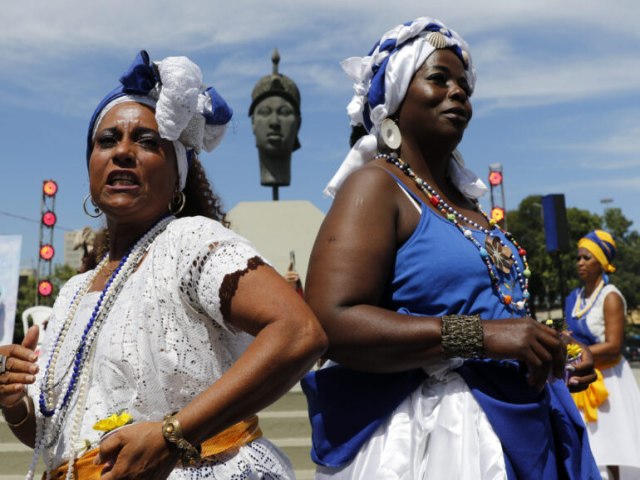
(218, 259)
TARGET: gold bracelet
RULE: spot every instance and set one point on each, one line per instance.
(172, 432)
(462, 336)
(27, 403)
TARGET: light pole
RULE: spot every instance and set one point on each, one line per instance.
(605, 201)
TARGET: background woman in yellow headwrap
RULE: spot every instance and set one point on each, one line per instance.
(596, 315)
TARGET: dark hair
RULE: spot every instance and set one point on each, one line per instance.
(200, 199)
(357, 131)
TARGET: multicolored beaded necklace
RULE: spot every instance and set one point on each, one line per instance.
(495, 254)
(56, 410)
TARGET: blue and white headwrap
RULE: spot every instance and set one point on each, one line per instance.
(190, 115)
(381, 82)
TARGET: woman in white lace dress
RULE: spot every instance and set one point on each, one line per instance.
(182, 330)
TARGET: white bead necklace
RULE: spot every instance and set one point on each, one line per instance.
(582, 305)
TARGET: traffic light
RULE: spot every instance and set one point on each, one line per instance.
(49, 219)
(49, 188)
(495, 178)
(47, 252)
(497, 214)
(498, 206)
(45, 288)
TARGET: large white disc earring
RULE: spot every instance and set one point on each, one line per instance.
(390, 134)
(96, 211)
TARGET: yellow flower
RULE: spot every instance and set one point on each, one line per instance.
(573, 351)
(114, 421)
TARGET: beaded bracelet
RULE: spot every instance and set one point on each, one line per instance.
(27, 403)
(462, 336)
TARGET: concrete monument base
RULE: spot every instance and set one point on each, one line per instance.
(277, 228)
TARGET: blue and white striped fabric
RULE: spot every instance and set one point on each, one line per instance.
(383, 76)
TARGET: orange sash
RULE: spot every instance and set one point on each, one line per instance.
(232, 438)
(595, 394)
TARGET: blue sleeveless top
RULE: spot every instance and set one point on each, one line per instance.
(440, 272)
(579, 328)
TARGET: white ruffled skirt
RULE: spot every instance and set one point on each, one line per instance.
(438, 432)
(615, 436)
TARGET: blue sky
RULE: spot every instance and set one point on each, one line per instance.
(557, 100)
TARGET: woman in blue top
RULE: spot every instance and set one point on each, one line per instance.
(437, 369)
(596, 314)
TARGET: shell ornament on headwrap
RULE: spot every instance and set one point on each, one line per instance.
(193, 117)
(381, 82)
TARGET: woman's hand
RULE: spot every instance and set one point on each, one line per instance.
(20, 367)
(581, 373)
(138, 451)
(538, 346)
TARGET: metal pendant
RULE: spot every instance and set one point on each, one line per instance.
(501, 255)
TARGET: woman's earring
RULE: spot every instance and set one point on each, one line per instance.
(390, 134)
(177, 203)
(96, 211)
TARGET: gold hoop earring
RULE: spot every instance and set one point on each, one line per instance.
(96, 211)
(177, 203)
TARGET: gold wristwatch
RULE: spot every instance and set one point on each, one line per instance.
(172, 432)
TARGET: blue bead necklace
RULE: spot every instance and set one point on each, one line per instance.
(54, 412)
(112, 288)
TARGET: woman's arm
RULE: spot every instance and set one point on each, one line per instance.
(611, 348)
(352, 262)
(288, 339)
(350, 265)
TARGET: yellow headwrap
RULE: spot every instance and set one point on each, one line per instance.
(602, 246)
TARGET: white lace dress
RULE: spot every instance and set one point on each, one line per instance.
(615, 436)
(164, 341)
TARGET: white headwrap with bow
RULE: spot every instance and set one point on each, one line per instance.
(190, 115)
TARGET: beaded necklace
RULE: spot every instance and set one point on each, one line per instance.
(583, 305)
(83, 357)
(495, 254)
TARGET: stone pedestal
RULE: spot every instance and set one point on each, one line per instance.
(276, 228)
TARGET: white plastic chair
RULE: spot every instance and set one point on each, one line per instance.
(38, 314)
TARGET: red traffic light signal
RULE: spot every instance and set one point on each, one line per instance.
(497, 214)
(495, 178)
(49, 188)
(49, 219)
(45, 288)
(47, 252)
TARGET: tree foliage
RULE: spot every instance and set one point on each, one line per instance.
(547, 290)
